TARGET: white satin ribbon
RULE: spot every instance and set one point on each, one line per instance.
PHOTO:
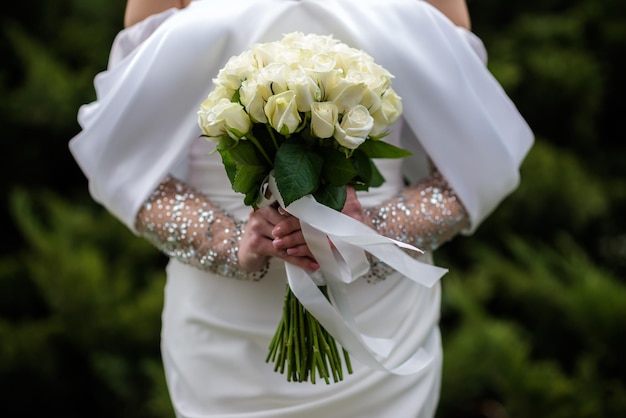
(342, 265)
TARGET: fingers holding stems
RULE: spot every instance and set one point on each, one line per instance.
(288, 238)
(273, 232)
(270, 233)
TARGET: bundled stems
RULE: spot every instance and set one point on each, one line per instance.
(304, 346)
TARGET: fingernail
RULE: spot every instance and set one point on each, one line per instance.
(276, 231)
(278, 243)
(314, 266)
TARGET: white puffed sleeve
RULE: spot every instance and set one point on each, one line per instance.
(475, 43)
(130, 38)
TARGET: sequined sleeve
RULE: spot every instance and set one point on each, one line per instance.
(183, 224)
(425, 215)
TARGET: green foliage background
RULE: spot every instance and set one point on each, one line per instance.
(534, 307)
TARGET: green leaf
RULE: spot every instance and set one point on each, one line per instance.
(337, 170)
(229, 165)
(249, 178)
(251, 198)
(297, 170)
(226, 143)
(364, 166)
(267, 138)
(246, 154)
(381, 149)
(250, 168)
(377, 178)
(332, 196)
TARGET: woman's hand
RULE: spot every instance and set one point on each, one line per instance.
(273, 233)
(353, 207)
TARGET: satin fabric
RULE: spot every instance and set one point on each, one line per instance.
(461, 115)
(216, 330)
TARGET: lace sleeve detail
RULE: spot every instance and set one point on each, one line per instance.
(425, 215)
(183, 224)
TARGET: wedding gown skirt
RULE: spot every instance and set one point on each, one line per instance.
(216, 333)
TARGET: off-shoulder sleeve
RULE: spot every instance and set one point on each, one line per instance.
(140, 127)
(457, 111)
(130, 38)
(475, 43)
(145, 115)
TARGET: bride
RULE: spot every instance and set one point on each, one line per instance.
(141, 151)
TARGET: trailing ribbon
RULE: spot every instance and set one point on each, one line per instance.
(340, 265)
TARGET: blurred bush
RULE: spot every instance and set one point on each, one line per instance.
(535, 331)
(79, 315)
(533, 306)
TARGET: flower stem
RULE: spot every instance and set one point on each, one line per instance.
(256, 143)
(291, 349)
(270, 131)
(318, 350)
(303, 358)
(346, 357)
(304, 347)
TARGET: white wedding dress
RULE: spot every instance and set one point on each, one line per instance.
(216, 330)
(216, 333)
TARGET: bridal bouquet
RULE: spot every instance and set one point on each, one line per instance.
(309, 112)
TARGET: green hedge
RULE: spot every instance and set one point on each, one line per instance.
(533, 306)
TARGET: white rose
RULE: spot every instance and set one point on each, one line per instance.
(306, 89)
(324, 117)
(227, 80)
(388, 112)
(293, 39)
(275, 77)
(346, 94)
(210, 128)
(321, 62)
(264, 53)
(372, 75)
(371, 101)
(351, 58)
(237, 69)
(292, 58)
(237, 121)
(282, 112)
(321, 68)
(354, 128)
(224, 118)
(318, 43)
(253, 97)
